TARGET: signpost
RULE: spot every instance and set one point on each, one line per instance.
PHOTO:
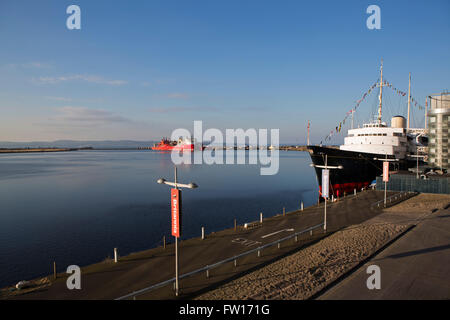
(385, 178)
(386, 162)
(175, 200)
(326, 185)
(325, 193)
(175, 211)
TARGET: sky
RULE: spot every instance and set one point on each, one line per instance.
(138, 70)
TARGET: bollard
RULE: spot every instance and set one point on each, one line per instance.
(164, 242)
(207, 273)
(235, 262)
(296, 238)
(310, 232)
(302, 206)
(235, 226)
(259, 253)
(284, 211)
(203, 233)
(115, 255)
(354, 191)
(332, 198)
(279, 246)
(261, 218)
(54, 270)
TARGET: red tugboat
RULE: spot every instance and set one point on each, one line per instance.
(168, 145)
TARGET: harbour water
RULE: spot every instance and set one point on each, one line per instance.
(75, 207)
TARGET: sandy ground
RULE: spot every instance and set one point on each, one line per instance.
(306, 272)
(421, 204)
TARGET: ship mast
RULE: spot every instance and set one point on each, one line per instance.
(409, 99)
(381, 93)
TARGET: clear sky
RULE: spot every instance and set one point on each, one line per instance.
(140, 69)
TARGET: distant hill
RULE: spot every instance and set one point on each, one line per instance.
(106, 144)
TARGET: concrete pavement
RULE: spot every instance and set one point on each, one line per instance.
(416, 266)
(108, 280)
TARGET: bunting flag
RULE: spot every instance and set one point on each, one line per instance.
(386, 83)
(403, 94)
(358, 102)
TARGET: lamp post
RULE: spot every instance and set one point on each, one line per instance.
(325, 185)
(385, 174)
(175, 201)
(417, 168)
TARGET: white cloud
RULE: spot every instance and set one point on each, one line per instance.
(28, 65)
(177, 95)
(82, 116)
(79, 77)
(58, 98)
(182, 109)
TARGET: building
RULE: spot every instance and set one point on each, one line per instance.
(438, 126)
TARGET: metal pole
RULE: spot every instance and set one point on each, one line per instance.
(176, 248)
(176, 266)
(261, 218)
(54, 270)
(302, 206)
(325, 206)
(417, 173)
(203, 233)
(385, 189)
(115, 255)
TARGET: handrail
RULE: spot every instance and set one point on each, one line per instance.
(211, 266)
(400, 194)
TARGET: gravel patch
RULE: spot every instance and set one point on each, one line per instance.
(421, 203)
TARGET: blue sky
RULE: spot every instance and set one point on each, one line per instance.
(140, 69)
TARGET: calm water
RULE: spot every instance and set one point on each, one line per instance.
(75, 207)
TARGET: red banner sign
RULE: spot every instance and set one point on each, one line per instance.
(385, 171)
(175, 204)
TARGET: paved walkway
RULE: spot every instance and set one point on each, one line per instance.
(134, 272)
(416, 266)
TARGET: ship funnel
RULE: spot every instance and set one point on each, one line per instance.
(398, 122)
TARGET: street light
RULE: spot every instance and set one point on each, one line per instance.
(385, 173)
(325, 184)
(175, 200)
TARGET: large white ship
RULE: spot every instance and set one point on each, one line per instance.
(358, 158)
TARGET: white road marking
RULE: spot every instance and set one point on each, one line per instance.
(246, 242)
(274, 233)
